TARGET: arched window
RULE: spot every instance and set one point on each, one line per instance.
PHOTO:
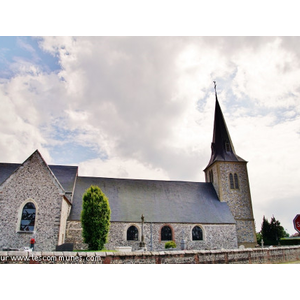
(231, 181)
(166, 233)
(234, 184)
(132, 233)
(236, 181)
(197, 234)
(28, 217)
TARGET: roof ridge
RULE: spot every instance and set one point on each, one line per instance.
(140, 179)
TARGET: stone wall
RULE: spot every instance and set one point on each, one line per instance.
(235, 256)
(238, 200)
(214, 236)
(32, 182)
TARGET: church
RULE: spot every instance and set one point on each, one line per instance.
(44, 202)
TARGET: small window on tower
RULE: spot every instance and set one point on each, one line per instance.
(211, 176)
(231, 181)
(227, 147)
(236, 181)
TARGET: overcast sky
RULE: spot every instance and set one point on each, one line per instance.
(143, 107)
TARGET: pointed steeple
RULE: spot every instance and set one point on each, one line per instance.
(222, 148)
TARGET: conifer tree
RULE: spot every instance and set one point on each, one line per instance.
(95, 218)
(272, 231)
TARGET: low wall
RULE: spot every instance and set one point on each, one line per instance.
(234, 256)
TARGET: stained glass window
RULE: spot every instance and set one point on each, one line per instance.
(28, 217)
(197, 234)
(166, 234)
(132, 234)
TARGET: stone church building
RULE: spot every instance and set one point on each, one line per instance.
(45, 202)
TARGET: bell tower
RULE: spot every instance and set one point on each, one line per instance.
(228, 174)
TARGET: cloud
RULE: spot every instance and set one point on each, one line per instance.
(268, 75)
(117, 167)
(130, 89)
(18, 137)
(144, 106)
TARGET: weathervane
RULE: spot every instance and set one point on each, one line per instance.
(215, 86)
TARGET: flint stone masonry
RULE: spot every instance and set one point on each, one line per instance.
(230, 256)
(214, 236)
(32, 182)
(238, 200)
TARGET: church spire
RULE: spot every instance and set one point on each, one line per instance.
(222, 148)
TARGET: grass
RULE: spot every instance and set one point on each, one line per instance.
(291, 262)
(103, 250)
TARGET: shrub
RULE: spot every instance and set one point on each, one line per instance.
(290, 241)
(170, 244)
(95, 218)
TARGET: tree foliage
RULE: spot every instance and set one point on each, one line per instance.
(271, 232)
(95, 218)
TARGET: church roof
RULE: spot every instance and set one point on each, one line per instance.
(6, 169)
(222, 148)
(66, 175)
(159, 201)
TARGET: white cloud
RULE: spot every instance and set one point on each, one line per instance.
(268, 75)
(147, 104)
(116, 167)
(18, 137)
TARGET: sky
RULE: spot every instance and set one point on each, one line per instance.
(143, 107)
(131, 95)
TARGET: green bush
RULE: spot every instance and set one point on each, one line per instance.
(290, 241)
(95, 218)
(170, 244)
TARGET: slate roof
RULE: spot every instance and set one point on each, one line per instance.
(6, 169)
(221, 137)
(66, 175)
(159, 201)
